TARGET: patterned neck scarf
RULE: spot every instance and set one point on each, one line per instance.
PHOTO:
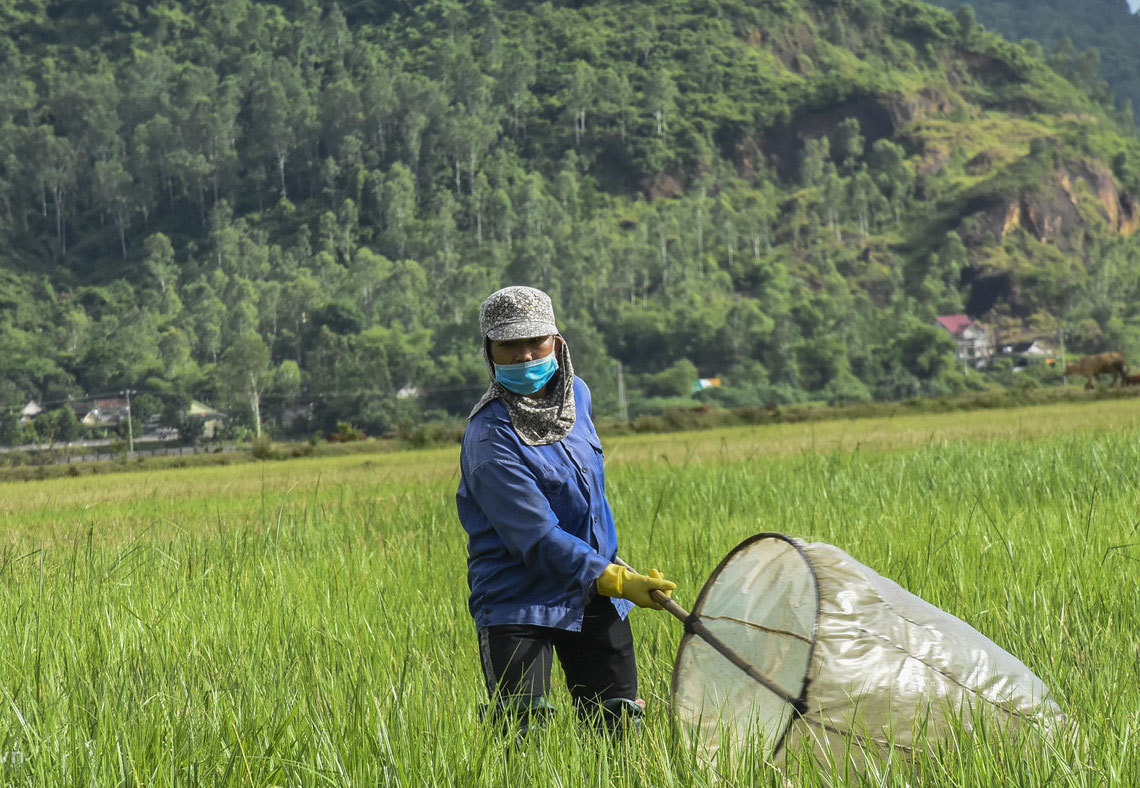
(538, 421)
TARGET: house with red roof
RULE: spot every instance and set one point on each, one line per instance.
(974, 345)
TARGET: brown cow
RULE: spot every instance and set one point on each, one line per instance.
(1100, 364)
(1132, 380)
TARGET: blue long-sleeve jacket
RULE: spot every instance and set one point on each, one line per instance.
(539, 529)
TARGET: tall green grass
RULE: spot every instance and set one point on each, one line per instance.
(305, 623)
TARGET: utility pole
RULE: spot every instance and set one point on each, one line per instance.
(130, 427)
(623, 408)
(1064, 379)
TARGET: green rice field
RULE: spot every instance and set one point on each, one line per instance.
(304, 622)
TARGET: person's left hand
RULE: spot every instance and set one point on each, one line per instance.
(625, 583)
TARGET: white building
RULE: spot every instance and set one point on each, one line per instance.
(974, 345)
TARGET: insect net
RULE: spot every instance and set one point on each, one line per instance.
(876, 666)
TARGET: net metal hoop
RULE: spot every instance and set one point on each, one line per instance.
(698, 608)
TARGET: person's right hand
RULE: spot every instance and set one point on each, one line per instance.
(624, 583)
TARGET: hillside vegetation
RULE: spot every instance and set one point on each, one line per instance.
(293, 211)
(1093, 42)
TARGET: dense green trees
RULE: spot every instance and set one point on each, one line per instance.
(1104, 32)
(293, 210)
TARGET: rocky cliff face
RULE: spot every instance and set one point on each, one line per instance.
(1070, 203)
(1060, 208)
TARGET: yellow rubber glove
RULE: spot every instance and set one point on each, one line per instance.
(621, 582)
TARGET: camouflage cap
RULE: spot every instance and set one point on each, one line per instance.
(517, 313)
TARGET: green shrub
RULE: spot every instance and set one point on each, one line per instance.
(844, 388)
(652, 406)
(348, 432)
(261, 447)
(435, 434)
(675, 381)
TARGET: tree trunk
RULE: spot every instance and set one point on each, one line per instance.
(281, 173)
(255, 403)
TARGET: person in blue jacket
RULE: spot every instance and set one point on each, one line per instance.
(541, 541)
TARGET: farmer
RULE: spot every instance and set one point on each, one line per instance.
(541, 543)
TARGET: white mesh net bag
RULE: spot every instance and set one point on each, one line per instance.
(871, 666)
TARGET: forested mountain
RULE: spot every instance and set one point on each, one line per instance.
(295, 208)
(1092, 42)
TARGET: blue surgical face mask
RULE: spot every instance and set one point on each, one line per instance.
(527, 377)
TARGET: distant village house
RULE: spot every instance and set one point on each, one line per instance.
(30, 411)
(106, 413)
(113, 412)
(1025, 354)
(973, 342)
(212, 420)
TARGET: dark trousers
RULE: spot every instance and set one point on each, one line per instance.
(598, 662)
